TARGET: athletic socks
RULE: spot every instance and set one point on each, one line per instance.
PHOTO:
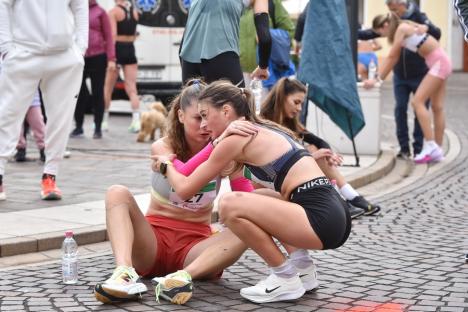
(348, 192)
(286, 270)
(135, 115)
(301, 259)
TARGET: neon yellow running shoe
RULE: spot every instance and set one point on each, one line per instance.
(175, 287)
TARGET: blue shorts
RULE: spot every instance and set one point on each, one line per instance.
(365, 57)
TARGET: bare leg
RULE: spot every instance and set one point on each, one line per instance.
(132, 239)
(111, 78)
(362, 71)
(244, 214)
(438, 113)
(268, 192)
(130, 73)
(424, 92)
(210, 256)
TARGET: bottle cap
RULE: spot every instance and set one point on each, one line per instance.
(333, 182)
(68, 233)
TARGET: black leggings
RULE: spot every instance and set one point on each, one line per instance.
(327, 212)
(95, 68)
(225, 65)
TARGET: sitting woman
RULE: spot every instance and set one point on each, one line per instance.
(414, 37)
(306, 214)
(283, 105)
(175, 233)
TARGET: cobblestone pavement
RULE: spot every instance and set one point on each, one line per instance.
(408, 258)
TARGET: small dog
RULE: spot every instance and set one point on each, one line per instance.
(151, 120)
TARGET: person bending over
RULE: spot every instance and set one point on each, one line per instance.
(414, 37)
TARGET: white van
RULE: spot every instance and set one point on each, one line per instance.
(160, 30)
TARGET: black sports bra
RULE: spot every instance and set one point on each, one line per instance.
(275, 171)
(127, 26)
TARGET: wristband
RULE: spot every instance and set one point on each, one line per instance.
(163, 167)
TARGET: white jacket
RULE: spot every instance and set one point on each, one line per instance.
(43, 26)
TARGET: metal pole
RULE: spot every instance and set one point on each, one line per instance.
(352, 10)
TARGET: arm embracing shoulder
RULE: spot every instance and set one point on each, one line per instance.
(432, 29)
(227, 150)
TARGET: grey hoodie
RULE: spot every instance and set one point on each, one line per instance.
(43, 26)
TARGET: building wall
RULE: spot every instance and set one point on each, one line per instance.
(438, 13)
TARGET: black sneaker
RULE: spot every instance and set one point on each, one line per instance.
(406, 155)
(361, 202)
(355, 211)
(76, 133)
(42, 155)
(97, 135)
(20, 155)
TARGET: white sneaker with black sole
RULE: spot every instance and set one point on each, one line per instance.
(274, 288)
(308, 277)
(123, 285)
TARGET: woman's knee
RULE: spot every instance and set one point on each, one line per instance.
(437, 108)
(228, 206)
(117, 193)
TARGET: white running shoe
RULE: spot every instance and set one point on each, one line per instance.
(123, 285)
(2, 193)
(429, 153)
(308, 277)
(175, 287)
(273, 289)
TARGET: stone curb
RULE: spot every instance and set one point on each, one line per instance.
(380, 168)
(96, 234)
(51, 240)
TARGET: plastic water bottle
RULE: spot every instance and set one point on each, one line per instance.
(372, 70)
(256, 87)
(69, 259)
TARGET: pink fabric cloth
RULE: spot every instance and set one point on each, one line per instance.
(242, 185)
(36, 122)
(100, 33)
(192, 164)
(439, 64)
